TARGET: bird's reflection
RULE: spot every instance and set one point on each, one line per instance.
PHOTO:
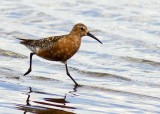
(75, 88)
(74, 91)
(27, 101)
(42, 105)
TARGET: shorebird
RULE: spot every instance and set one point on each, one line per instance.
(58, 48)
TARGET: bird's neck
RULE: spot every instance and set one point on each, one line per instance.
(75, 33)
(75, 40)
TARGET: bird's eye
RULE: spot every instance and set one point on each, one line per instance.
(82, 28)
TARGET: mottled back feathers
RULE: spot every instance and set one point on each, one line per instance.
(44, 43)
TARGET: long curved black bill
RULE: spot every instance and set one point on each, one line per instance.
(89, 34)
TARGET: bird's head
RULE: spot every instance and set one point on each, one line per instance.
(82, 30)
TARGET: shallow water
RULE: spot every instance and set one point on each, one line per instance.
(120, 76)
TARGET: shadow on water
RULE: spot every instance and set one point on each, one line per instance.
(53, 103)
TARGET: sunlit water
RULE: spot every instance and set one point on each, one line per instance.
(120, 76)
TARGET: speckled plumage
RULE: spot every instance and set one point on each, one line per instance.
(58, 48)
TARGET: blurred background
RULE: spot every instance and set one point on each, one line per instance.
(120, 76)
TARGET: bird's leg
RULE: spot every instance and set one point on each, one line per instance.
(70, 75)
(30, 67)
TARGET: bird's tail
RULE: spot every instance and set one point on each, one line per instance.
(25, 41)
(28, 43)
(20, 39)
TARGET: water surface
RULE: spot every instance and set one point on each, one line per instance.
(120, 76)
